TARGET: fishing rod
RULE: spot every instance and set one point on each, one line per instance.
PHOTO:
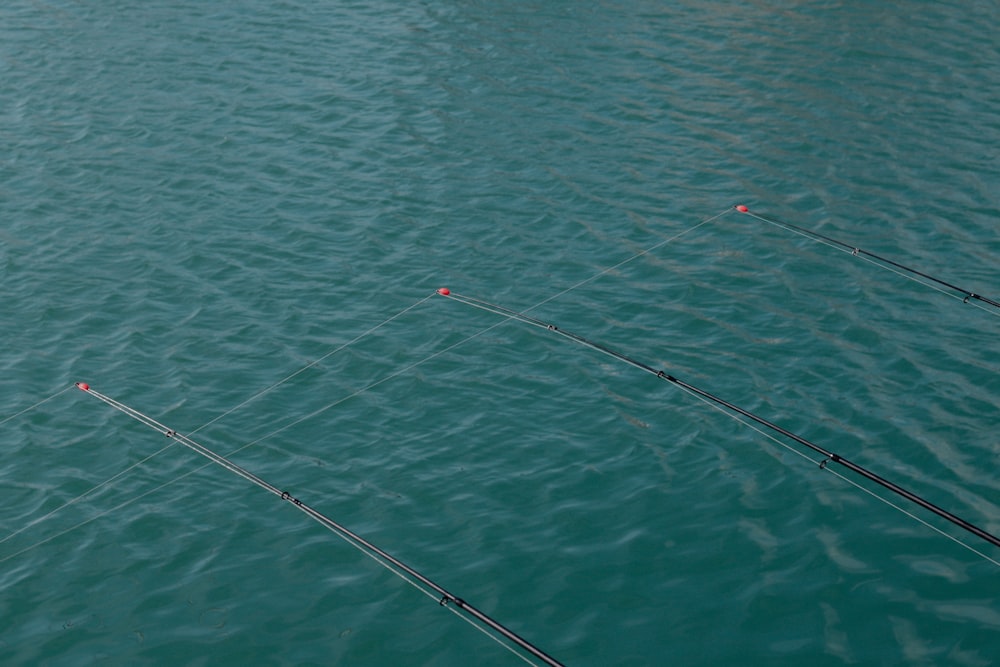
(387, 560)
(829, 457)
(967, 295)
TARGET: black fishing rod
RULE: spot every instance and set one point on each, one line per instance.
(446, 598)
(829, 457)
(856, 251)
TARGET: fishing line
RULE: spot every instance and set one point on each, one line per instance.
(626, 261)
(828, 456)
(41, 402)
(80, 497)
(328, 406)
(102, 513)
(132, 467)
(413, 365)
(581, 283)
(72, 501)
(907, 272)
(463, 341)
(315, 362)
(444, 597)
(366, 388)
(398, 372)
(235, 451)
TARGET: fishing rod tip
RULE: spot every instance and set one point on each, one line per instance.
(742, 208)
(83, 386)
(444, 291)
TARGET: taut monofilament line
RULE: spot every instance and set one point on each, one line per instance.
(423, 583)
(879, 260)
(829, 457)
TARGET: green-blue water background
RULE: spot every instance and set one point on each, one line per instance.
(199, 198)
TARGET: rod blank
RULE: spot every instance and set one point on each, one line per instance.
(830, 457)
(446, 597)
(967, 295)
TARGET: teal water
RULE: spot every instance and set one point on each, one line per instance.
(198, 199)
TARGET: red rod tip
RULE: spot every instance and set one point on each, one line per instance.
(444, 291)
(83, 385)
(742, 208)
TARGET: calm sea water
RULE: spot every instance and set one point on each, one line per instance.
(197, 199)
